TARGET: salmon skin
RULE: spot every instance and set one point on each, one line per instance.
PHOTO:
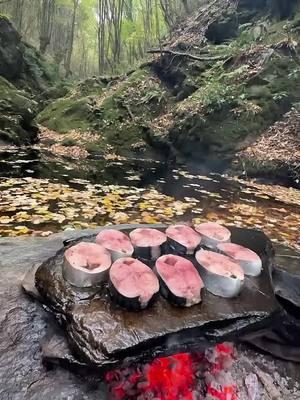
(132, 284)
(116, 242)
(86, 264)
(246, 258)
(212, 234)
(149, 244)
(180, 282)
(182, 240)
(221, 275)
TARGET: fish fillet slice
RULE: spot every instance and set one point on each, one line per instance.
(132, 283)
(221, 275)
(86, 264)
(148, 243)
(247, 259)
(212, 234)
(180, 281)
(183, 239)
(118, 243)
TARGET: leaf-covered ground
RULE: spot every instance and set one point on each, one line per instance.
(30, 206)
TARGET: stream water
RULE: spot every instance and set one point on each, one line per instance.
(41, 193)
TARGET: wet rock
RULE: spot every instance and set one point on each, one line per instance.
(141, 335)
(17, 114)
(23, 325)
(11, 57)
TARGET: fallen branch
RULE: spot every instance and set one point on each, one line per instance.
(188, 55)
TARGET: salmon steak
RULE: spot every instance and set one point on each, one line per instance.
(116, 242)
(180, 281)
(132, 284)
(86, 264)
(247, 259)
(182, 239)
(222, 276)
(212, 234)
(149, 244)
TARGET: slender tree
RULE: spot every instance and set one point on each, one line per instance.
(71, 40)
(46, 23)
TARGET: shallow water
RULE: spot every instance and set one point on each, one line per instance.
(41, 194)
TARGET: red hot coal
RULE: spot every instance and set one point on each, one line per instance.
(185, 376)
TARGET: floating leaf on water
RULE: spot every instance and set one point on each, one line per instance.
(22, 229)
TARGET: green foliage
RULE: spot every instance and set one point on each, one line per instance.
(4, 16)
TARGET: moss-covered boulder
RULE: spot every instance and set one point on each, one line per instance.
(17, 114)
(115, 109)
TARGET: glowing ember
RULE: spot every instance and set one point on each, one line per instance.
(185, 376)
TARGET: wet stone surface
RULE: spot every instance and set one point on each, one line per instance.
(104, 334)
(26, 329)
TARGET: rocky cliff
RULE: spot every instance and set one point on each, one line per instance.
(24, 73)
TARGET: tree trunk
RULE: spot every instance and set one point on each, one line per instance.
(71, 40)
(102, 4)
(46, 23)
(186, 6)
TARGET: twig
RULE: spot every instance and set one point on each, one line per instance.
(188, 55)
(287, 256)
(129, 111)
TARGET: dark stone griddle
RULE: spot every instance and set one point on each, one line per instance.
(103, 335)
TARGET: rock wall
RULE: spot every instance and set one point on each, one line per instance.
(24, 73)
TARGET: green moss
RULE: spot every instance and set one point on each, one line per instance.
(69, 142)
(4, 16)
(66, 114)
(94, 148)
(16, 115)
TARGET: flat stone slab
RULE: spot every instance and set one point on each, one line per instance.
(25, 328)
(104, 335)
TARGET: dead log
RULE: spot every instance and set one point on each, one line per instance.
(188, 55)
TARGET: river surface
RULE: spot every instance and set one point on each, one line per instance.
(41, 194)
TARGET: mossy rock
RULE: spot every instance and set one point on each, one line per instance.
(69, 142)
(17, 114)
(225, 111)
(116, 109)
(66, 114)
